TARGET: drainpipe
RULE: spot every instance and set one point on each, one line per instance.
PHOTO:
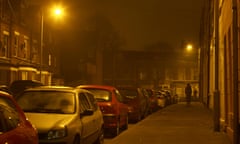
(235, 73)
(216, 106)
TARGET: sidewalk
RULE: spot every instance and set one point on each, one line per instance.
(191, 124)
(175, 124)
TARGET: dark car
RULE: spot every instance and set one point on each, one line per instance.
(161, 99)
(14, 126)
(5, 88)
(168, 96)
(18, 86)
(137, 102)
(115, 112)
(63, 115)
(153, 100)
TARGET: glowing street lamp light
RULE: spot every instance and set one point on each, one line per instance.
(58, 11)
(189, 47)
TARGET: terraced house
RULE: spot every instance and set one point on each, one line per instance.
(219, 76)
(26, 50)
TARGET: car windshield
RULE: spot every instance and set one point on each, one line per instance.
(47, 102)
(101, 95)
(128, 93)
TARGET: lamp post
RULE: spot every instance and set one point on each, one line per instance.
(192, 57)
(57, 11)
(41, 44)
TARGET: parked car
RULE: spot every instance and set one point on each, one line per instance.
(168, 96)
(147, 96)
(63, 115)
(14, 126)
(137, 102)
(115, 112)
(5, 88)
(18, 86)
(161, 99)
(153, 100)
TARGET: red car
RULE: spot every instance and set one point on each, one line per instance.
(110, 101)
(153, 100)
(137, 101)
(14, 126)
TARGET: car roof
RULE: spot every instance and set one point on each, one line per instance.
(97, 86)
(129, 87)
(26, 82)
(5, 94)
(55, 88)
(18, 86)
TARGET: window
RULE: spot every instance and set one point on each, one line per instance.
(25, 48)
(47, 102)
(4, 44)
(92, 101)
(129, 93)
(23, 52)
(118, 95)
(34, 51)
(24, 75)
(100, 94)
(16, 44)
(83, 102)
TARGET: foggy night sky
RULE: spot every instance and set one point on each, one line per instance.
(145, 22)
(148, 21)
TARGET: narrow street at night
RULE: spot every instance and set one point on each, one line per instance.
(119, 72)
(175, 124)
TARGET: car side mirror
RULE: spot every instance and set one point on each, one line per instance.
(87, 112)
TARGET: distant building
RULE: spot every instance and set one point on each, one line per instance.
(151, 69)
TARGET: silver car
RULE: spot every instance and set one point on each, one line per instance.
(63, 115)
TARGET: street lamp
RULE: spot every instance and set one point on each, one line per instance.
(57, 11)
(41, 44)
(189, 47)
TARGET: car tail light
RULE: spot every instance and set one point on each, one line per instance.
(108, 109)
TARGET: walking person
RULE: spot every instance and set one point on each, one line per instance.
(188, 93)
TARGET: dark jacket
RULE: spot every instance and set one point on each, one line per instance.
(188, 90)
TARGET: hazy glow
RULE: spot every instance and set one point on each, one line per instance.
(189, 47)
(58, 11)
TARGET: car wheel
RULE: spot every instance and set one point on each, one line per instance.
(100, 139)
(76, 140)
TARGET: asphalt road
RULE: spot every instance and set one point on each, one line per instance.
(175, 124)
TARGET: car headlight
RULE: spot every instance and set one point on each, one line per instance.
(57, 133)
